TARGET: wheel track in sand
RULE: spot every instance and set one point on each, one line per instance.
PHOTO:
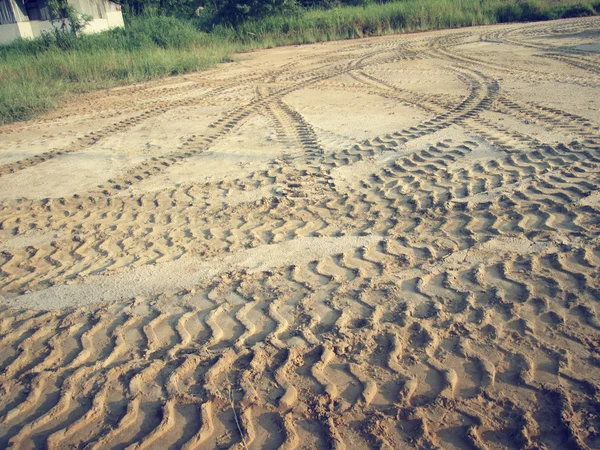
(419, 192)
(473, 294)
(494, 297)
(443, 46)
(572, 56)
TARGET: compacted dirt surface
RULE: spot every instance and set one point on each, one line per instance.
(383, 243)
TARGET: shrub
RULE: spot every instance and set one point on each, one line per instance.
(235, 12)
(578, 11)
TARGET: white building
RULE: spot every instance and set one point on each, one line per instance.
(30, 18)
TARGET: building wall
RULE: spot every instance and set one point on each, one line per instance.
(40, 26)
(19, 10)
(115, 19)
(105, 15)
(98, 9)
(10, 32)
(97, 25)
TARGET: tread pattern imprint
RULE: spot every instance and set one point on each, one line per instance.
(386, 243)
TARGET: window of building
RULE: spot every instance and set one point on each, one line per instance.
(33, 10)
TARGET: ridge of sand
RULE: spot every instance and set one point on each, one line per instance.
(179, 274)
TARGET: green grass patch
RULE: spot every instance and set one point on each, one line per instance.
(398, 17)
(35, 75)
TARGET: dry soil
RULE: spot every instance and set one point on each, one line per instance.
(384, 243)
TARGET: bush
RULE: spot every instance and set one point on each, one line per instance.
(165, 32)
(235, 12)
(532, 11)
(578, 11)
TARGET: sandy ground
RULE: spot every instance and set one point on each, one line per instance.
(386, 243)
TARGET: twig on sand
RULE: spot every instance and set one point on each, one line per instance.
(237, 422)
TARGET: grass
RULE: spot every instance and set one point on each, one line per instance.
(35, 75)
(398, 17)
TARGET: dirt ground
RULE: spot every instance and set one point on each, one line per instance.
(384, 243)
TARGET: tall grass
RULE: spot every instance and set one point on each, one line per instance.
(398, 17)
(35, 75)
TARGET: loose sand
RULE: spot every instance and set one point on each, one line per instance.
(385, 243)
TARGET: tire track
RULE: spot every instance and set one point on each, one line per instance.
(434, 286)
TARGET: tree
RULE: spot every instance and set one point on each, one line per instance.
(65, 18)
